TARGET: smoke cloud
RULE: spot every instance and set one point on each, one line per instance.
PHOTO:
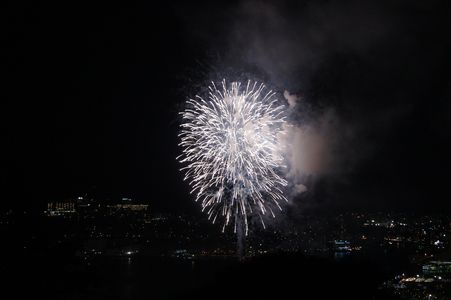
(310, 146)
(354, 75)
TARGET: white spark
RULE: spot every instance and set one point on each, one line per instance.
(231, 151)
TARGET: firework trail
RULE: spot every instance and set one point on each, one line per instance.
(231, 152)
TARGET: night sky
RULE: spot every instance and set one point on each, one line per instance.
(91, 95)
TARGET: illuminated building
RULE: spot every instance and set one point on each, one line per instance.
(341, 246)
(60, 208)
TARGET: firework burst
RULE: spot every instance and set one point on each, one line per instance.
(231, 151)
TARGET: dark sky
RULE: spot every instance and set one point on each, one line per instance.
(91, 93)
